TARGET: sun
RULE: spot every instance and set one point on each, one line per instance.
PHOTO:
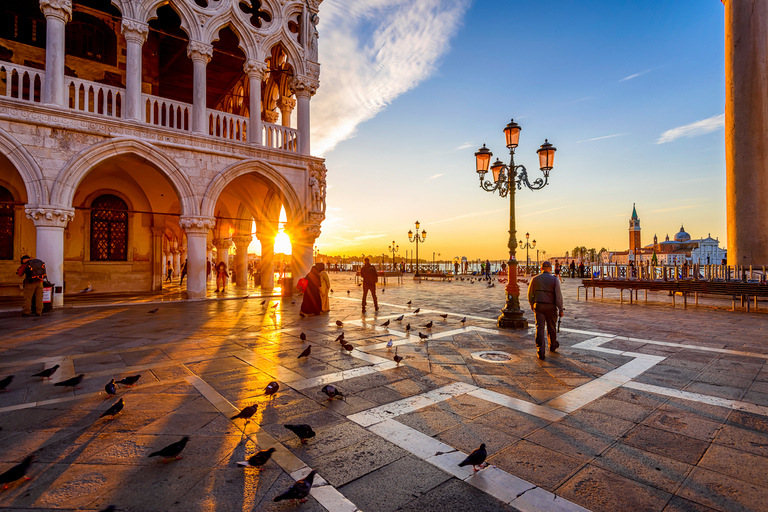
(282, 243)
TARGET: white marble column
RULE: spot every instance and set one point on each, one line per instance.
(158, 259)
(57, 14)
(304, 88)
(286, 106)
(201, 54)
(176, 262)
(209, 258)
(746, 130)
(164, 256)
(196, 229)
(255, 71)
(267, 261)
(135, 33)
(222, 250)
(241, 259)
(302, 241)
(50, 222)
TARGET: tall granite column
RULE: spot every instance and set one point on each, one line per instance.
(201, 54)
(255, 71)
(57, 14)
(196, 229)
(50, 222)
(304, 88)
(241, 259)
(135, 33)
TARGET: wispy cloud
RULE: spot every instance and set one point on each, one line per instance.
(371, 52)
(630, 77)
(694, 129)
(370, 237)
(544, 211)
(435, 176)
(601, 138)
(673, 209)
(473, 214)
(466, 145)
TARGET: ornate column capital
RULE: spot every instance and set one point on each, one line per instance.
(49, 216)
(198, 51)
(304, 234)
(286, 105)
(242, 241)
(134, 31)
(222, 243)
(254, 68)
(303, 86)
(61, 9)
(196, 224)
(271, 116)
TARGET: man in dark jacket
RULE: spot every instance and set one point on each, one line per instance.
(370, 278)
(33, 285)
(546, 301)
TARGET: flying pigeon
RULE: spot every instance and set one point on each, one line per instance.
(385, 324)
(16, 472)
(172, 450)
(463, 320)
(339, 323)
(409, 302)
(390, 343)
(299, 490)
(110, 388)
(304, 432)
(348, 347)
(400, 318)
(153, 311)
(408, 327)
(71, 383)
(423, 336)
(4, 383)
(397, 358)
(114, 410)
(258, 459)
(246, 413)
(46, 374)
(429, 325)
(129, 381)
(416, 310)
(340, 338)
(303, 337)
(271, 388)
(306, 352)
(331, 392)
(476, 458)
(444, 316)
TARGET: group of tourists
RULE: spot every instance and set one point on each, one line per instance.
(316, 287)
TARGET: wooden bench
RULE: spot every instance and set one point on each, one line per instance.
(434, 275)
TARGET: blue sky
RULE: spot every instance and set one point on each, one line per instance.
(630, 92)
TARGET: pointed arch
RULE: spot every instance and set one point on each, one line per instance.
(27, 167)
(291, 48)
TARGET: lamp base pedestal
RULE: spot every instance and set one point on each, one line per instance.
(512, 319)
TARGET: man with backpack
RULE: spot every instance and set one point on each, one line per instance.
(33, 271)
(370, 278)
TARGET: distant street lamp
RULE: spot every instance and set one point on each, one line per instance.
(527, 245)
(433, 260)
(415, 238)
(315, 255)
(505, 180)
(393, 248)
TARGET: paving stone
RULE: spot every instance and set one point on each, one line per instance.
(536, 464)
(644, 467)
(569, 441)
(430, 420)
(683, 448)
(460, 495)
(735, 463)
(722, 492)
(358, 459)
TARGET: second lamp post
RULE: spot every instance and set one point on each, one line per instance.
(417, 239)
(393, 249)
(527, 245)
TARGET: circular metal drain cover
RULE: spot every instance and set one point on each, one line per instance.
(494, 356)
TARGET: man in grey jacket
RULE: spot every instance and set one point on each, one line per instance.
(546, 301)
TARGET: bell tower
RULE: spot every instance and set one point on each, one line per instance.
(634, 232)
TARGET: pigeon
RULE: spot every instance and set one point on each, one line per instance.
(476, 458)
(153, 311)
(172, 450)
(303, 337)
(331, 290)
(129, 381)
(383, 290)
(271, 388)
(71, 383)
(444, 316)
(306, 352)
(348, 347)
(340, 338)
(114, 410)
(247, 413)
(463, 320)
(258, 459)
(263, 302)
(16, 472)
(293, 302)
(299, 490)
(110, 388)
(423, 336)
(408, 327)
(400, 318)
(46, 374)
(331, 392)
(390, 343)
(4, 383)
(275, 305)
(110, 508)
(397, 358)
(385, 324)
(416, 310)
(87, 289)
(304, 432)
(339, 323)
(347, 292)
(409, 302)
(429, 325)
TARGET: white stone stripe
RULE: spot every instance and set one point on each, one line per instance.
(582, 395)
(696, 397)
(700, 347)
(343, 375)
(517, 404)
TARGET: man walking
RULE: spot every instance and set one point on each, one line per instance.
(33, 271)
(370, 278)
(546, 301)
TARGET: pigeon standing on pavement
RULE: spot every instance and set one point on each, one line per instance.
(303, 337)
(114, 410)
(408, 327)
(397, 358)
(271, 388)
(172, 451)
(340, 338)
(339, 323)
(299, 490)
(331, 392)
(17, 472)
(258, 459)
(385, 324)
(400, 318)
(4, 383)
(423, 336)
(129, 381)
(46, 374)
(348, 347)
(390, 343)
(306, 352)
(416, 311)
(263, 302)
(110, 388)
(247, 413)
(444, 316)
(303, 431)
(463, 321)
(409, 302)
(429, 325)
(153, 311)
(71, 383)
(476, 458)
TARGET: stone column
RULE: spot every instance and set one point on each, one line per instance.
(158, 259)
(57, 14)
(255, 71)
(222, 250)
(209, 257)
(201, 54)
(135, 33)
(302, 241)
(164, 255)
(241, 259)
(50, 222)
(286, 106)
(176, 262)
(196, 229)
(267, 261)
(304, 88)
(746, 130)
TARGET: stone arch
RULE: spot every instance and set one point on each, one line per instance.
(73, 172)
(291, 48)
(189, 21)
(27, 167)
(246, 40)
(272, 176)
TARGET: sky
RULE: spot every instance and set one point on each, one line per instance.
(630, 92)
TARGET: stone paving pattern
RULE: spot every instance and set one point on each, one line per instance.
(627, 450)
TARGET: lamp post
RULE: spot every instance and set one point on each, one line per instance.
(527, 245)
(418, 239)
(505, 180)
(434, 265)
(315, 255)
(393, 248)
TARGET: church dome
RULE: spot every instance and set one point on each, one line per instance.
(682, 236)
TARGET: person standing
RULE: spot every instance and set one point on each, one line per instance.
(311, 304)
(370, 278)
(221, 276)
(488, 270)
(207, 269)
(325, 287)
(558, 269)
(572, 267)
(33, 271)
(581, 269)
(546, 301)
(183, 272)
(168, 272)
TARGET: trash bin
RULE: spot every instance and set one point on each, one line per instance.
(286, 285)
(47, 296)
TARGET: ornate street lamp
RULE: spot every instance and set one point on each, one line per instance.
(393, 248)
(527, 245)
(505, 180)
(415, 238)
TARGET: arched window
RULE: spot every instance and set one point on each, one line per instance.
(6, 224)
(109, 229)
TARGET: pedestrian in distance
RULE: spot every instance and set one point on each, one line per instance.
(33, 272)
(311, 304)
(572, 268)
(488, 270)
(558, 269)
(370, 278)
(546, 301)
(221, 276)
(581, 269)
(168, 272)
(207, 269)
(183, 272)
(325, 288)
